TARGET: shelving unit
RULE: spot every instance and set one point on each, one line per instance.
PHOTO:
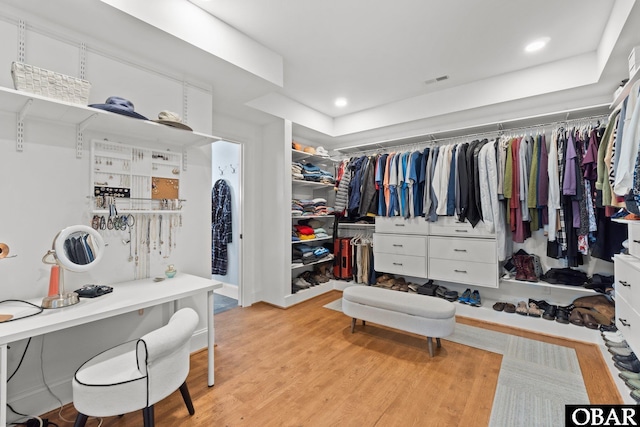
(579, 289)
(301, 189)
(29, 106)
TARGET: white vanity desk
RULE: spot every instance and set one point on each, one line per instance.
(126, 297)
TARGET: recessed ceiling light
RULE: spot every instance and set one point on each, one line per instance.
(340, 102)
(537, 44)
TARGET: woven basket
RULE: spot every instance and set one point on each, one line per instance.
(51, 84)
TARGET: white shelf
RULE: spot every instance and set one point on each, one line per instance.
(305, 294)
(136, 211)
(311, 240)
(549, 285)
(354, 225)
(626, 90)
(312, 216)
(297, 266)
(535, 324)
(297, 155)
(303, 183)
(50, 109)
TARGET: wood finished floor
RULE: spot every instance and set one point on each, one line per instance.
(303, 367)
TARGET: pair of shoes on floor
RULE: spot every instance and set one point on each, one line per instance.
(582, 317)
(613, 337)
(507, 307)
(620, 351)
(549, 311)
(608, 328)
(443, 292)
(470, 297)
(631, 366)
(528, 309)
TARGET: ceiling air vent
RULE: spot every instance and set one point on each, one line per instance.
(436, 80)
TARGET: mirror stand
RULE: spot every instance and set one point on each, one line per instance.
(62, 298)
(77, 248)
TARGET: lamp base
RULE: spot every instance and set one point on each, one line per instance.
(60, 300)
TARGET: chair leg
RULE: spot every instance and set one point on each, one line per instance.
(438, 342)
(353, 324)
(81, 420)
(430, 346)
(184, 390)
(147, 414)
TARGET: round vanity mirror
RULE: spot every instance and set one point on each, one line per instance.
(77, 248)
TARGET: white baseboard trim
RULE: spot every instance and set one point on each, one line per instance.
(228, 290)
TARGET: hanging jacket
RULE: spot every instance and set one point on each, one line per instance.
(221, 233)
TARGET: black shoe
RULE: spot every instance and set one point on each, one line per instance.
(633, 366)
(608, 328)
(562, 315)
(630, 358)
(550, 312)
(440, 291)
(451, 295)
(542, 304)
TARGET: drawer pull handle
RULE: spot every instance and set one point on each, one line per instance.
(624, 321)
(462, 231)
(460, 250)
(623, 283)
(399, 225)
(461, 271)
(397, 263)
(636, 241)
(398, 246)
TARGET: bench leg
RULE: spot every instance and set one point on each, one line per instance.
(364, 323)
(438, 341)
(353, 324)
(430, 346)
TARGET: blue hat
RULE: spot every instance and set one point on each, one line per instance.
(118, 105)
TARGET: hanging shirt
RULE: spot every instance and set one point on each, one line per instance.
(393, 183)
(629, 147)
(412, 182)
(553, 199)
(451, 190)
(380, 171)
(387, 190)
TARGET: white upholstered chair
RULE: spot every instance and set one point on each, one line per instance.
(137, 374)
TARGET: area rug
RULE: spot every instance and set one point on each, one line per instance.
(536, 379)
(223, 303)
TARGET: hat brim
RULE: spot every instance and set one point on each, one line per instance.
(118, 110)
(173, 124)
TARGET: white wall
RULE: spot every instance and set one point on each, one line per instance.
(45, 188)
(225, 164)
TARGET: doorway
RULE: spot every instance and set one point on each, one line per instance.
(226, 259)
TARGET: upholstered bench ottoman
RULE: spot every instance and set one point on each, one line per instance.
(419, 314)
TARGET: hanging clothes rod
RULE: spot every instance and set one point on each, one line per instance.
(492, 133)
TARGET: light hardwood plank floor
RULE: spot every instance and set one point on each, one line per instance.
(303, 367)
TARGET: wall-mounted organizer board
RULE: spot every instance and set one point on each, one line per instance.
(134, 179)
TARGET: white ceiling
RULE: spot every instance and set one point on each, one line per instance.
(377, 51)
(291, 58)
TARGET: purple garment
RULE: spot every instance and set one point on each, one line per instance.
(570, 182)
(591, 158)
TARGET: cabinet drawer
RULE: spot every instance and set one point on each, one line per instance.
(449, 226)
(415, 266)
(628, 323)
(627, 278)
(396, 224)
(473, 273)
(476, 250)
(399, 244)
(634, 239)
